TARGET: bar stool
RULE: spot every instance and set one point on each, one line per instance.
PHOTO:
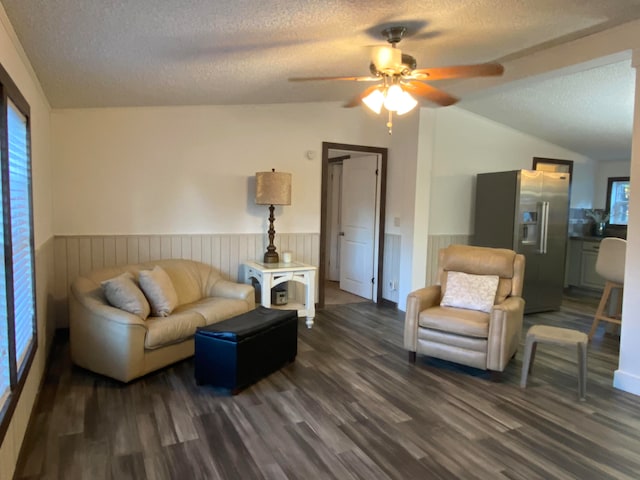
(556, 336)
(610, 266)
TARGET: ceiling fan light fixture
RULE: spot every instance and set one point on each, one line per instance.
(407, 103)
(393, 98)
(374, 101)
(398, 76)
(386, 58)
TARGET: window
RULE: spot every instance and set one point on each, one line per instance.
(18, 338)
(618, 200)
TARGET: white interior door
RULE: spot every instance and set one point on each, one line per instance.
(359, 189)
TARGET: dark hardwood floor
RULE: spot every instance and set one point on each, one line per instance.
(333, 295)
(350, 407)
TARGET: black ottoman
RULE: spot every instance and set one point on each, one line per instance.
(237, 352)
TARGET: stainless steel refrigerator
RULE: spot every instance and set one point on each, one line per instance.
(527, 211)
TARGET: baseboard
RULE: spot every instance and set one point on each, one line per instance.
(626, 382)
(388, 303)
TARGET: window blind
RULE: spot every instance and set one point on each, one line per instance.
(20, 201)
(5, 381)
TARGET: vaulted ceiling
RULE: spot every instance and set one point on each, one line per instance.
(98, 53)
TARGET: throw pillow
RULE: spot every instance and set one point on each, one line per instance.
(473, 292)
(159, 290)
(123, 293)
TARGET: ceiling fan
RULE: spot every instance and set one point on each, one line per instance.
(399, 80)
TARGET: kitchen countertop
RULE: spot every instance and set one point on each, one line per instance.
(586, 238)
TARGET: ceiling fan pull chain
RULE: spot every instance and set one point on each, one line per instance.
(390, 122)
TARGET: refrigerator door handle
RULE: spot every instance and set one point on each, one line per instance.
(545, 228)
(541, 225)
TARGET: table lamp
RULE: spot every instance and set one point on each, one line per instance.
(272, 188)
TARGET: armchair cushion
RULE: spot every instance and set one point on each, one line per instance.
(471, 323)
(483, 261)
(473, 292)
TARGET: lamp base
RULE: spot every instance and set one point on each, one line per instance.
(271, 257)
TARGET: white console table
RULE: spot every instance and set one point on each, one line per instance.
(271, 274)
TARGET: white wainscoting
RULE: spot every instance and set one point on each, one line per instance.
(77, 255)
(435, 243)
(45, 285)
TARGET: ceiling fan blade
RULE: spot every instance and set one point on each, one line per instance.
(431, 93)
(353, 79)
(357, 100)
(459, 71)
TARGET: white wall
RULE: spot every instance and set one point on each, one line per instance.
(604, 170)
(15, 62)
(401, 201)
(467, 144)
(424, 181)
(627, 377)
(191, 169)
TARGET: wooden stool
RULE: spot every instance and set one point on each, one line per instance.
(602, 307)
(610, 266)
(556, 336)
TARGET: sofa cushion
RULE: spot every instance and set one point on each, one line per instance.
(454, 320)
(179, 326)
(473, 292)
(215, 309)
(188, 278)
(122, 292)
(159, 290)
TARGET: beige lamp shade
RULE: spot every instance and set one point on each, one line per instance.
(273, 188)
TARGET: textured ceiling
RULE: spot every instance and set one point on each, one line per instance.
(589, 111)
(100, 53)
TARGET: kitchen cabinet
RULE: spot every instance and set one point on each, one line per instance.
(574, 260)
(583, 254)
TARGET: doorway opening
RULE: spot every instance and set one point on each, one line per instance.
(352, 219)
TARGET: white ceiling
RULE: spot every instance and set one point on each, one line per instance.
(590, 111)
(102, 53)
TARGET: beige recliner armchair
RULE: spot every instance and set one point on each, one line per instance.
(481, 339)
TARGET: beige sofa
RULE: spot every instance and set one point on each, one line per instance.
(121, 345)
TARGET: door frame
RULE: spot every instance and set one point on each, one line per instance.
(382, 175)
(334, 219)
